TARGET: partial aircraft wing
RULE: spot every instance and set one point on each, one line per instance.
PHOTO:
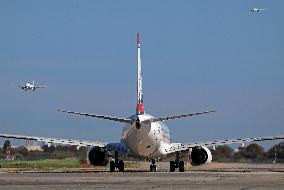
(40, 86)
(22, 87)
(176, 116)
(120, 147)
(124, 120)
(181, 147)
(55, 140)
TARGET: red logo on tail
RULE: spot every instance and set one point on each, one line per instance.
(140, 108)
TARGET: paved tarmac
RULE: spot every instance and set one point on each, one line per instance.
(258, 177)
(144, 180)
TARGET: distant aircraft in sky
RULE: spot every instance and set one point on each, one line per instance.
(256, 10)
(31, 86)
(146, 137)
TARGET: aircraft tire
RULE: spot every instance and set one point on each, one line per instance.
(181, 166)
(172, 166)
(111, 166)
(121, 166)
(153, 168)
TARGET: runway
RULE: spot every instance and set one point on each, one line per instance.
(214, 177)
(144, 180)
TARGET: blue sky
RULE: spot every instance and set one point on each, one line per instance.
(196, 56)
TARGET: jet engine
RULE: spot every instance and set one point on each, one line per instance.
(200, 155)
(97, 156)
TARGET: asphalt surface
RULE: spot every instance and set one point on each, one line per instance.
(143, 180)
(232, 177)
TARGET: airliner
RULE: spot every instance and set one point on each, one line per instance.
(31, 86)
(144, 136)
(256, 10)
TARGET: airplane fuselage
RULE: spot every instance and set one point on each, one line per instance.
(149, 140)
(29, 86)
(256, 10)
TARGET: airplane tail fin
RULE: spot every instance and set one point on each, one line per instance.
(140, 104)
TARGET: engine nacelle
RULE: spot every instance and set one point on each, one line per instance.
(97, 156)
(200, 155)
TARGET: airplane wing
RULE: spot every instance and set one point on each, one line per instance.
(124, 120)
(120, 147)
(55, 140)
(40, 86)
(176, 116)
(181, 147)
(22, 87)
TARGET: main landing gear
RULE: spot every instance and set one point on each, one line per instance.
(177, 164)
(153, 166)
(116, 163)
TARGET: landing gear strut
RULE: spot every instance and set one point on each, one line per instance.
(116, 163)
(177, 164)
(153, 166)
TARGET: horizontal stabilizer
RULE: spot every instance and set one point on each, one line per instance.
(124, 120)
(176, 116)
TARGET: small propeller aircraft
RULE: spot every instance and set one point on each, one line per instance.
(31, 86)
